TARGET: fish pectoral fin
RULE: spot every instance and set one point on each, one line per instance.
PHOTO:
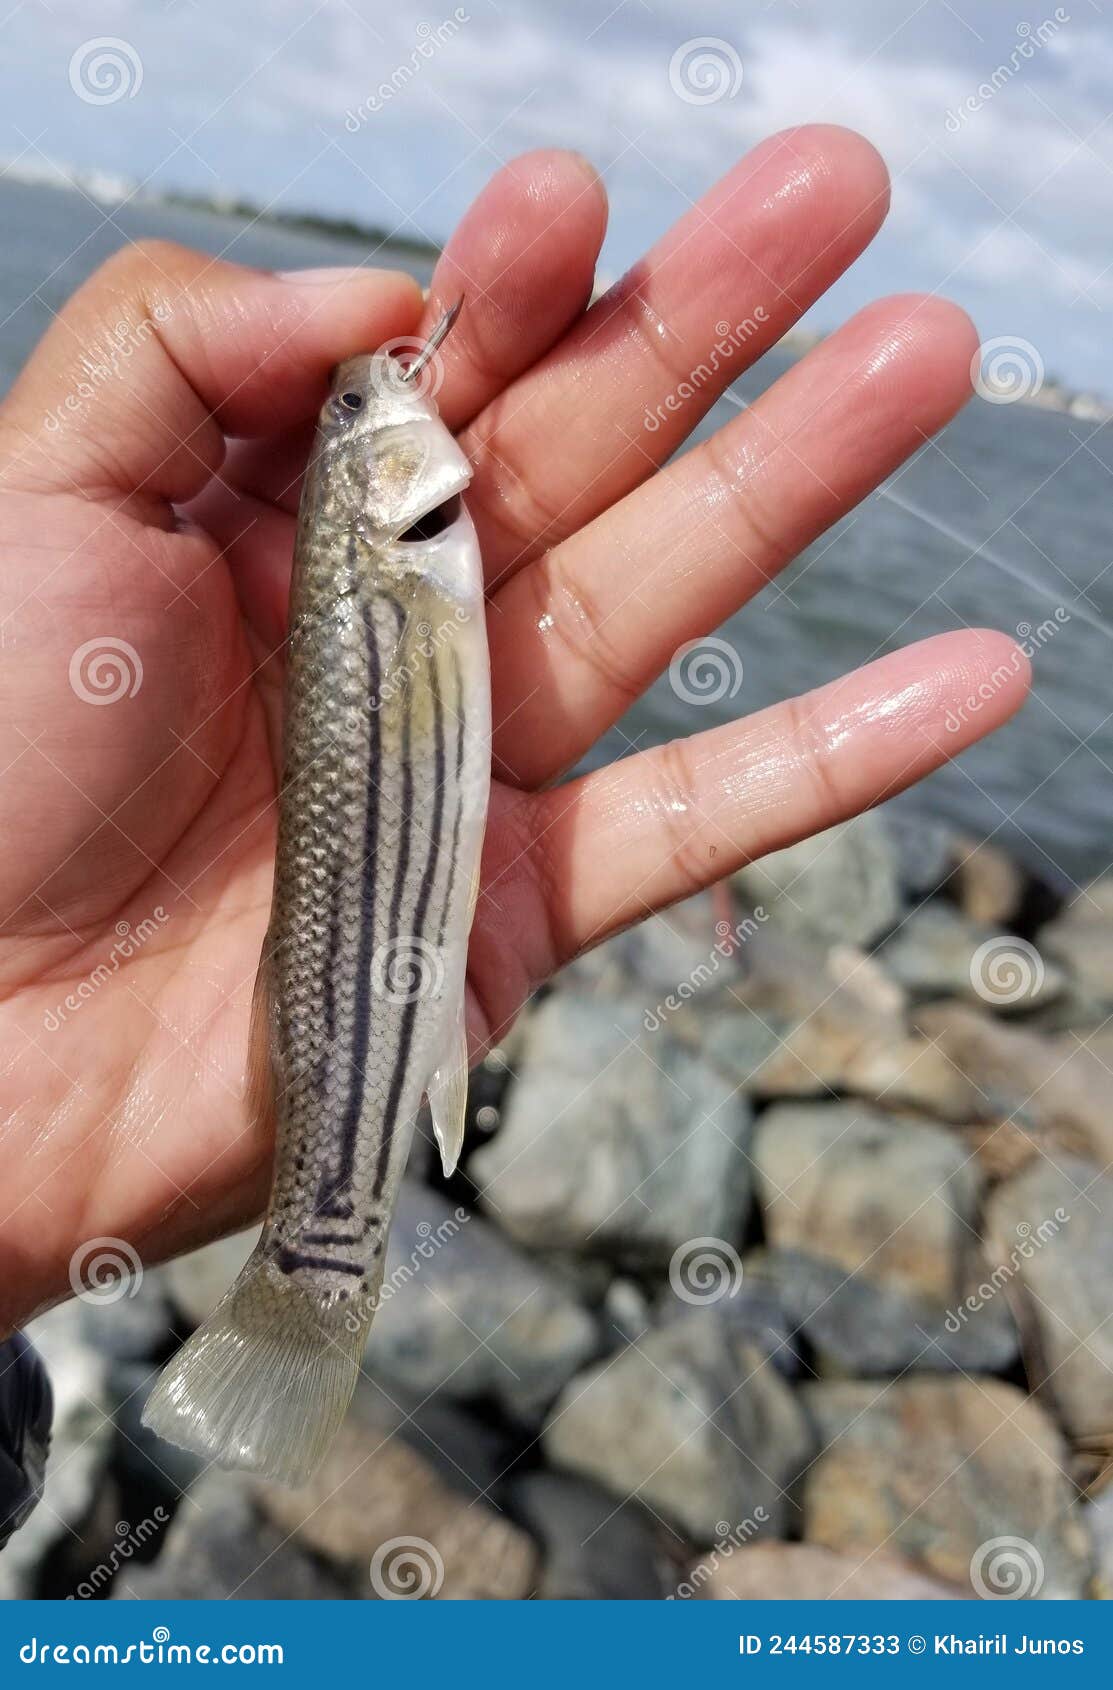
(259, 1087)
(448, 1096)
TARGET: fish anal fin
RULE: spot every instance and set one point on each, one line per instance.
(448, 1096)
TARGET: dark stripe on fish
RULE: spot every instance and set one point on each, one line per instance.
(409, 1013)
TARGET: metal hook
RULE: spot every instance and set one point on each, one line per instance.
(438, 335)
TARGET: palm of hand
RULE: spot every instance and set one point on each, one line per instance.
(136, 867)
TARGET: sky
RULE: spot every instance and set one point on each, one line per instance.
(995, 122)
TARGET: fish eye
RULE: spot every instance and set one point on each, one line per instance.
(352, 401)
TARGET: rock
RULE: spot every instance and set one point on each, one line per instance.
(797, 1019)
(615, 1139)
(591, 1550)
(985, 882)
(465, 1312)
(693, 1422)
(1047, 1092)
(889, 1197)
(1050, 1230)
(133, 1328)
(840, 887)
(683, 943)
(1098, 1516)
(197, 1282)
(220, 1547)
(924, 850)
(939, 953)
(754, 1308)
(941, 1471)
(858, 1327)
(805, 1572)
(1080, 939)
(79, 1449)
(377, 1507)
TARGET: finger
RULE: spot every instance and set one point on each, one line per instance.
(583, 860)
(523, 258)
(631, 380)
(577, 636)
(164, 351)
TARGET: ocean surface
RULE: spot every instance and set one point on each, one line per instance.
(1007, 518)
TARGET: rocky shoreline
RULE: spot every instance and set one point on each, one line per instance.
(780, 1264)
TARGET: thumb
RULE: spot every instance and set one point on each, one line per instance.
(164, 351)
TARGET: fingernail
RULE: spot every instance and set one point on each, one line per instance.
(323, 278)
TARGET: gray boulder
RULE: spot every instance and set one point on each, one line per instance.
(965, 1478)
(591, 1548)
(614, 1139)
(839, 887)
(937, 952)
(694, 1422)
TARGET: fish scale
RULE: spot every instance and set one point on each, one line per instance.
(359, 1006)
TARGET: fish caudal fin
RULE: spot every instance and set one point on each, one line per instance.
(266, 1381)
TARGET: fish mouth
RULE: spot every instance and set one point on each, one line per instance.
(434, 522)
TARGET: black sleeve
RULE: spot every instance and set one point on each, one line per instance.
(26, 1413)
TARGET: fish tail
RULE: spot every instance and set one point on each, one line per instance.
(264, 1383)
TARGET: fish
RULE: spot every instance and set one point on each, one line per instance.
(359, 1005)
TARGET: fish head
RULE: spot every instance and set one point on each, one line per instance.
(383, 453)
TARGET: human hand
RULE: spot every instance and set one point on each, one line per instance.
(158, 510)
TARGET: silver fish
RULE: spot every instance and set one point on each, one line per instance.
(359, 1003)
